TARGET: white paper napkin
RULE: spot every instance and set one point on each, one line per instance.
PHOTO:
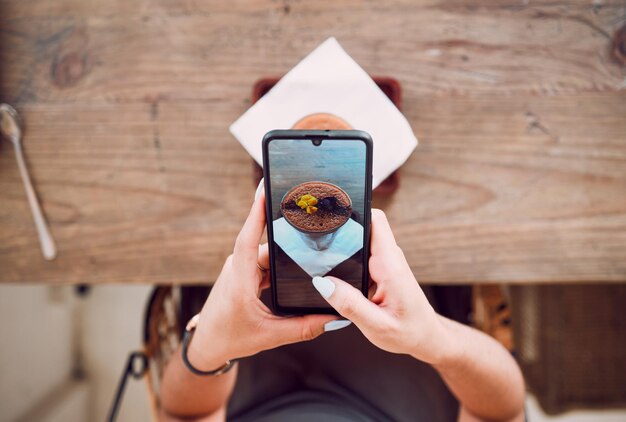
(329, 81)
(348, 240)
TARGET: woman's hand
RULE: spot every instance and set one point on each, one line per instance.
(234, 323)
(398, 317)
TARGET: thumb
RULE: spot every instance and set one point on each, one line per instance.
(348, 301)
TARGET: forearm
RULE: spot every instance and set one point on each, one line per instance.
(184, 394)
(481, 373)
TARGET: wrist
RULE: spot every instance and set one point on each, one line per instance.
(445, 348)
(201, 353)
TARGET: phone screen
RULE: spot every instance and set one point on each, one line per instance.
(318, 202)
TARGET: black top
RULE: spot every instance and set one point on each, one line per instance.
(339, 376)
(312, 406)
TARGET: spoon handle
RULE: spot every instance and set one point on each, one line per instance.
(48, 248)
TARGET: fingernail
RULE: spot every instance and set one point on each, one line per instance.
(324, 286)
(259, 189)
(336, 325)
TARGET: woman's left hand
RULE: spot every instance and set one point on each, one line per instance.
(234, 323)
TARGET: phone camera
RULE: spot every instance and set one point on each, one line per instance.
(316, 142)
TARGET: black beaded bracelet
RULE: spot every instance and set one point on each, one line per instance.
(189, 330)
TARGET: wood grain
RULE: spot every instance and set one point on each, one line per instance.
(520, 175)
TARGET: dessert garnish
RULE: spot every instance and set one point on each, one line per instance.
(307, 202)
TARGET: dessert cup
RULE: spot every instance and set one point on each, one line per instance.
(317, 239)
(322, 121)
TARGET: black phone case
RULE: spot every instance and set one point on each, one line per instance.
(308, 135)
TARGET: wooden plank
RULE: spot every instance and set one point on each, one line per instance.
(501, 189)
(527, 189)
(128, 198)
(97, 51)
(103, 8)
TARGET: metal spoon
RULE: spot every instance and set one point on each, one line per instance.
(10, 128)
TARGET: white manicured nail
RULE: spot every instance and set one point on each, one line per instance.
(259, 189)
(336, 325)
(324, 286)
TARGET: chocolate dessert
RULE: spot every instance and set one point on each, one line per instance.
(322, 121)
(316, 207)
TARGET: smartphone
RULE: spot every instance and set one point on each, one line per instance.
(318, 190)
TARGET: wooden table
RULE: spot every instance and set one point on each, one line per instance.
(520, 109)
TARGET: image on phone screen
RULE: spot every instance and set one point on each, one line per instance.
(318, 204)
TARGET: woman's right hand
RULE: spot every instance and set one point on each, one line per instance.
(397, 317)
